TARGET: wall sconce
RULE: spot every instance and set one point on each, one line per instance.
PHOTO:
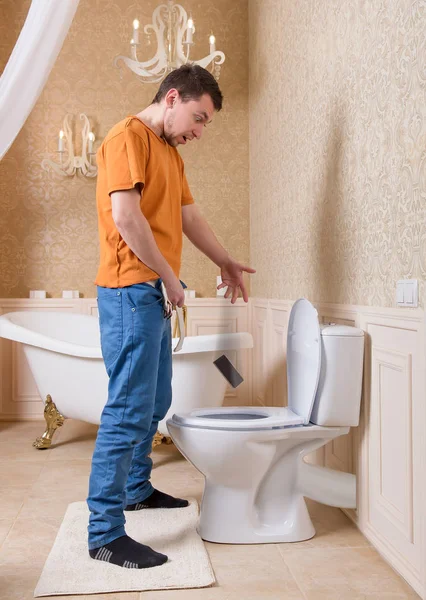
(69, 164)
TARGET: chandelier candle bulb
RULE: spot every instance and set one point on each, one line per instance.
(91, 140)
(189, 31)
(135, 32)
(61, 141)
(212, 41)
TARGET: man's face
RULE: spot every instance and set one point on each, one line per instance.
(185, 121)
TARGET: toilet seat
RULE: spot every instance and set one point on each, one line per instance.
(239, 418)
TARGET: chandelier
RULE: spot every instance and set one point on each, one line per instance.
(174, 37)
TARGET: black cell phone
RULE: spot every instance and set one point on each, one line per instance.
(228, 371)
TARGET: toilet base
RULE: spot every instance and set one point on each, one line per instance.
(256, 481)
(239, 522)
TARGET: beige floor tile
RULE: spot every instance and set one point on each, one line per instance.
(51, 503)
(64, 473)
(29, 542)
(22, 474)
(178, 480)
(24, 431)
(5, 527)
(74, 440)
(82, 450)
(18, 583)
(175, 466)
(252, 571)
(270, 590)
(168, 454)
(333, 530)
(172, 473)
(72, 430)
(12, 500)
(174, 477)
(210, 593)
(59, 484)
(21, 450)
(345, 573)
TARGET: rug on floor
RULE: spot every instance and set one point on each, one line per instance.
(69, 569)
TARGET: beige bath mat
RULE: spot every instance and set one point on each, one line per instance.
(69, 569)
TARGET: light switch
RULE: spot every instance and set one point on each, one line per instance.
(407, 292)
(400, 292)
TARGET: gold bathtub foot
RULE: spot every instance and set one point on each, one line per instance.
(159, 438)
(53, 419)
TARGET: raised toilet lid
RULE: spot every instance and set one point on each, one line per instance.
(238, 418)
(303, 358)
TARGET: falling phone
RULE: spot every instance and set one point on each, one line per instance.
(228, 370)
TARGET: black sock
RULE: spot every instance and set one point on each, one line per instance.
(125, 552)
(158, 500)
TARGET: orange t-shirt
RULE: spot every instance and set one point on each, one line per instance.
(130, 154)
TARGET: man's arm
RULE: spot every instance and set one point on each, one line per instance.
(136, 232)
(197, 230)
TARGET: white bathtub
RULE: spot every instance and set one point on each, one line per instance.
(64, 354)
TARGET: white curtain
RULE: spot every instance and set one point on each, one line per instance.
(30, 63)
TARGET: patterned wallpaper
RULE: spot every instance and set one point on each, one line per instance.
(337, 148)
(48, 229)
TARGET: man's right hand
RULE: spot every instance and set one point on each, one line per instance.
(175, 291)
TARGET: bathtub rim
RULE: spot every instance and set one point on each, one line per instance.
(192, 345)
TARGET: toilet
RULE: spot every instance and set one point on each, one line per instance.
(252, 458)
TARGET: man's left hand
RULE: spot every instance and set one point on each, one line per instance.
(232, 278)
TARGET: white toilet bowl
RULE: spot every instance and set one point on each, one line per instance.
(252, 457)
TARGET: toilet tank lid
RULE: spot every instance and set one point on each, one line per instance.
(337, 330)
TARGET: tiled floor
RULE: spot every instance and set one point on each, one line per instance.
(36, 487)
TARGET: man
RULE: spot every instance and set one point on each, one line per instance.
(144, 204)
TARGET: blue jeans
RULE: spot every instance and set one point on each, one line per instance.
(136, 347)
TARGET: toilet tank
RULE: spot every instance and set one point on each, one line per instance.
(338, 397)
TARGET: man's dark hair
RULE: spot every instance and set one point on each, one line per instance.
(192, 82)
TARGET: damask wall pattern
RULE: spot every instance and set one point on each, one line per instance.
(48, 229)
(337, 148)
